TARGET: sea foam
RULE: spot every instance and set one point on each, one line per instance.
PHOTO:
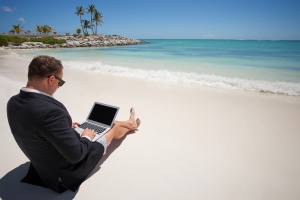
(287, 88)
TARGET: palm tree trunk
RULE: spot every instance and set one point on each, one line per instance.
(81, 24)
(92, 22)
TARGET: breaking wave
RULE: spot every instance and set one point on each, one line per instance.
(287, 88)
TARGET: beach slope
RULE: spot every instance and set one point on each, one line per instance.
(194, 142)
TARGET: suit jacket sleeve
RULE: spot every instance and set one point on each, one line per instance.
(57, 130)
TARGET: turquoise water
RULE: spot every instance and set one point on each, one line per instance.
(268, 66)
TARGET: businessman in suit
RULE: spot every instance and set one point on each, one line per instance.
(60, 158)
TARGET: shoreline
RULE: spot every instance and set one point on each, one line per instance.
(133, 70)
(193, 140)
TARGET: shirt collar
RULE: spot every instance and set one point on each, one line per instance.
(35, 91)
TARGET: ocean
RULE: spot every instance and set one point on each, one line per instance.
(250, 65)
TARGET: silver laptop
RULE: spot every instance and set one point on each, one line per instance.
(101, 119)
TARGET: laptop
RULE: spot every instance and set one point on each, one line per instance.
(101, 119)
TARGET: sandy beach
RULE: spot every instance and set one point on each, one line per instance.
(194, 142)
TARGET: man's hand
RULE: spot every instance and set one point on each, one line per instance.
(75, 124)
(89, 133)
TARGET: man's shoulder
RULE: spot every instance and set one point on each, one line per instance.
(13, 100)
(35, 100)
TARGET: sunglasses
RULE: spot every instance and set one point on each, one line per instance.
(60, 83)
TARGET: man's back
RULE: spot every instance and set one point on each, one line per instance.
(42, 128)
(27, 113)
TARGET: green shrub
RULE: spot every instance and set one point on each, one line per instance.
(6, 39)
(3, 42)
(47, 40)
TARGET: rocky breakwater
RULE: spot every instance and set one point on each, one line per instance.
(80, 41)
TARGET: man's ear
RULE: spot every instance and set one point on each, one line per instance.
(51, 80)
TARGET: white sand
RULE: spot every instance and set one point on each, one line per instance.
(194, 142)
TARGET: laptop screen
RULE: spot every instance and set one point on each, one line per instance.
(103, 114)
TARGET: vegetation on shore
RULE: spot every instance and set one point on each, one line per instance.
(50, 41)
(5, 40)
(17, 29)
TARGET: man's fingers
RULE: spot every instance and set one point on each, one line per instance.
(91, 132)
(74, 124)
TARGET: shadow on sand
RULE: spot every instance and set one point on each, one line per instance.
(12, 188)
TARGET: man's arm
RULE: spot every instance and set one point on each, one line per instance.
(58, 131)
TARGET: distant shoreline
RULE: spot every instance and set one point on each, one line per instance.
(220, 39)
(75, 41)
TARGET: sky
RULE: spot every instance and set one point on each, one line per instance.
(163, 19)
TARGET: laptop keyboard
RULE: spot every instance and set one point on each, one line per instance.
(98, 129)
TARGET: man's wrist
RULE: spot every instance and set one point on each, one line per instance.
(87, 137)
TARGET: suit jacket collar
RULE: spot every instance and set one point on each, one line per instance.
(34, 91)
(25, 95)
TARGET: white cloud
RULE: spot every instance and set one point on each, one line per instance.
(7, 9)
(22, 19)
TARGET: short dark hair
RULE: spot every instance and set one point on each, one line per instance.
(42, 66)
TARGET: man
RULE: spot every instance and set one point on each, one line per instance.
(42, 127)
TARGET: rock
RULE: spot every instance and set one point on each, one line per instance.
(76, 43)
(24, 46)
(32, 43)
(70, 43)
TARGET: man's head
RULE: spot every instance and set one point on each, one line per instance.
(43, 66)
(45, 74)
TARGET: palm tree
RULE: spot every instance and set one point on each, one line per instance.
(47, 29)
(78, 31)
(27, 32)
(98, 19)
(80, 11)
(86, 26)
(12, 32)
(17, 28)
(92, 9)
(39, 29)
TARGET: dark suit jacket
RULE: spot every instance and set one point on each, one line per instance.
(41, 127)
